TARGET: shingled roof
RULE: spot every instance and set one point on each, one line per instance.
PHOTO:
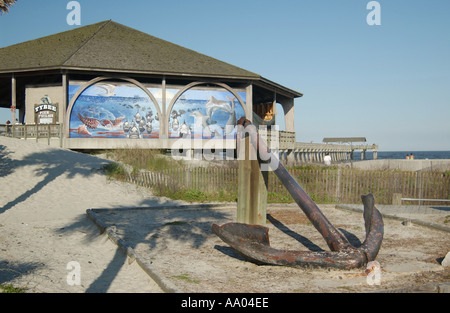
(113, 47)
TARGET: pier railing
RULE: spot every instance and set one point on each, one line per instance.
(293, 152)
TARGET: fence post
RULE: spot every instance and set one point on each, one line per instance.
(397, 199)
(420, 187)
(187, 178)
(338, 185)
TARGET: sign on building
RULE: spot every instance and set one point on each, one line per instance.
(46, 112)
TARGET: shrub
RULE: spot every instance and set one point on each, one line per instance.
(115, 170)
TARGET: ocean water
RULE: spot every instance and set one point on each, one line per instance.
(418, 155)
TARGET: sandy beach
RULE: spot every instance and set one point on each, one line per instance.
(46, 232)
(45, 193)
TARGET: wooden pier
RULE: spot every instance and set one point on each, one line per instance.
(292, 152)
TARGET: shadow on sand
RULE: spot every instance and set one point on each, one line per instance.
(49, 165)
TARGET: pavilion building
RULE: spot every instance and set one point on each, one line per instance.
(110, 86)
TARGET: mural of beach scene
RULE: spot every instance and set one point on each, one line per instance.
(205, 114)
(107, 110)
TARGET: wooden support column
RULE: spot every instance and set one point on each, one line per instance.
(249, 103)
(13, 99)
(252, 186)
(163, 123)
(252, 183)
(288, 107)
(63, 111)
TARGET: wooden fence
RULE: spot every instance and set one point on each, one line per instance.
(203, 179)
(323, 185)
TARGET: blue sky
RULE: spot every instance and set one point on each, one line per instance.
(389, 83)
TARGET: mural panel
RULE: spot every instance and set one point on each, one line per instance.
(114, 110)
(205, 114)
(107, 110)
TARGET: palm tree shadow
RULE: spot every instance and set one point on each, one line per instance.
(10, 271)
(193, 230)
(5, 162)
(104, 281)
(53, 163)
(50, 165)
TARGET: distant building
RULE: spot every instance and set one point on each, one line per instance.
(111, 86)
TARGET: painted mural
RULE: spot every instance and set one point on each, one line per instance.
(205, 114)
(106, 110)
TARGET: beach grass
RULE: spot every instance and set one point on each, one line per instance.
(11, 289)
(146, 159)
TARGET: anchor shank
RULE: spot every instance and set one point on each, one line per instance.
(335, 240)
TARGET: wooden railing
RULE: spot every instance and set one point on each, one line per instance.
(32, 131)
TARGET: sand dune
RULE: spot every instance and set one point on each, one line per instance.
(45, 192)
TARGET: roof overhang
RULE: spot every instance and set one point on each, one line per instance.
(279, 89)
(257, 81)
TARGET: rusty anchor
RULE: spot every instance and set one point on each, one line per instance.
(252, 241)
